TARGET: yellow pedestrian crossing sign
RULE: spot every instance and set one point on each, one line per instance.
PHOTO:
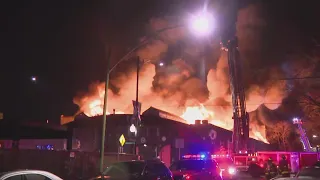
(122, 140)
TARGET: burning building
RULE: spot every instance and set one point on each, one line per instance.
(217, 108)
(157, 135)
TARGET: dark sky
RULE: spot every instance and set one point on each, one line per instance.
(63, 44)
(60, 43)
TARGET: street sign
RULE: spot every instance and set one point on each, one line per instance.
(179, 143)
(129, 143)
(122, 140)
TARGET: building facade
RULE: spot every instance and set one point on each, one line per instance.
(157, 135)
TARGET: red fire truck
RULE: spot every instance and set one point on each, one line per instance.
(296, 160)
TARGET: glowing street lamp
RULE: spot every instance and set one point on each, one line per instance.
(133, 129)
(202, 23)
(161, 64)
(33, 79)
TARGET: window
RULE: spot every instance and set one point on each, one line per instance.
(157, 169)
(36, 177)
(188, 165)
(125, 168)
(17, 177)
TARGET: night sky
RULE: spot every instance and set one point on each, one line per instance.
(63, 43)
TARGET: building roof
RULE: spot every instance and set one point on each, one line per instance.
(163, 114)
(152, 117)
(14, 130)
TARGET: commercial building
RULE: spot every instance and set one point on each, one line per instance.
(161, 134)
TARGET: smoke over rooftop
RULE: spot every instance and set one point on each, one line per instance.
(177, 87)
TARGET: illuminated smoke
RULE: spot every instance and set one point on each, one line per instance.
(177, 89)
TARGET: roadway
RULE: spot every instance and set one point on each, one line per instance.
(246, 176)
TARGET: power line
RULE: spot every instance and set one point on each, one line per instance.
(298, 78)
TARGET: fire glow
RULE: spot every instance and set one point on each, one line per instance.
(96, 109)
(91, 103)
(196, 113)
(190, 114)
(201, 113)
(182, 102)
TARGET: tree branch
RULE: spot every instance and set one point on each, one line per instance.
(312, 100)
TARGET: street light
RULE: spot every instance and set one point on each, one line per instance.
(161, 64)
(133, 129)
(201, 24)
(314, 136)
(33, 79)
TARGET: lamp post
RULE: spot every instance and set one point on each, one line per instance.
(201, 24)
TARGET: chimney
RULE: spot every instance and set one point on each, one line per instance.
(205, 122)
(197, 122)
(114, 111)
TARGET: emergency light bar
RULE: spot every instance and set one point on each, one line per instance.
(198, 156)
(203, 156)
(220, 156)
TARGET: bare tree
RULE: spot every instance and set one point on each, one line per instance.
(305, 80)
(280, 134)
(310, 104)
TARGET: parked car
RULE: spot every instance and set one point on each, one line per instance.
(137, 170)
(189, 169)
(28, 175)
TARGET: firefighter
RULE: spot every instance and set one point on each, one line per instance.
(284, 167)
(270, 169)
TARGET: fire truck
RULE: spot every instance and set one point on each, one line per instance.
(254, 163)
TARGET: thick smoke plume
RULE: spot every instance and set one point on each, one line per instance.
(177, 87)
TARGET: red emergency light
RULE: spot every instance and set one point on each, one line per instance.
(197, 156)
(204, 156)
(220, 156)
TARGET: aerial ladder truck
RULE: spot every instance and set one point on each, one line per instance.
(240, 117)
(303, 136)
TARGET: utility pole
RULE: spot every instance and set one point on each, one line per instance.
(105, 107)
(137, 118)
(137, 85)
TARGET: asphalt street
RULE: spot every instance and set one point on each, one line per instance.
(246, 176)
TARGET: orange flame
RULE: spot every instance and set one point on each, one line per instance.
(96, 108)
(201, 113)
(196, 113)
(190, 114)
(92, 102)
